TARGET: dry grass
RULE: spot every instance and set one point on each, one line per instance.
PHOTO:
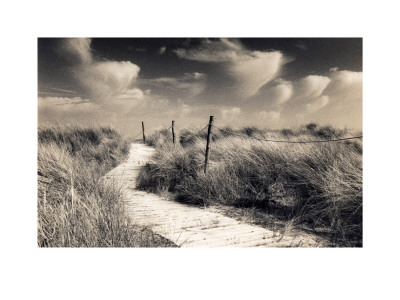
(318, 186)
(75, 207)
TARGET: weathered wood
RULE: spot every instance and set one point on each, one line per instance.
(144, 136)
(173, 131)
(191, 226)
(209, 136)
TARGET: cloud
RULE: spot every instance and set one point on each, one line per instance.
(69, 110)
(301, 45)
(275, 94)
(345, 99)
(336, 99)
(188, 85)
(300, 93)
(269, 117)
(98, 80)
(345, 79)
(230, 114)
(182, 109)
(222, 50)
(345, 89)
(252, 72)
(283, 91)
(162, 50)
(317, 104)
(76, 51)
(312, 86)
(63, 90)
(132, 94)
(42, 101)
(249, 70)
(103, 81)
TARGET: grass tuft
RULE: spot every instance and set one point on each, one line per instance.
(317, 186)
(76, 208)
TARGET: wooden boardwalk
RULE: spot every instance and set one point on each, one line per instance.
(189, 226)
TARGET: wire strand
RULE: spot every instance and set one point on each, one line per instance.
(137, 135)
(201, 130)
(195, 134)
(289, 142)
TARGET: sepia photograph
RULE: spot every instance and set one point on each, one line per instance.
(199, 150)
(200, 142)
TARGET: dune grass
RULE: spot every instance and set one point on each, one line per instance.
(317, 186)
(76, 208)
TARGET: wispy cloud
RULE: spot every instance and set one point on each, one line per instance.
(318, 103)
(311, 86)
(162, 50)
(301, 45)
(249, 70)
(63, 90)
(43, 101)
(76, 51)
(336, 99)
(188, 85)
(275, 94)
(98, 80)
(132, 94)
(103, 81)
(222, 50)
(345, 98)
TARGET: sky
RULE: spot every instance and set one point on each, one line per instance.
(265, 82)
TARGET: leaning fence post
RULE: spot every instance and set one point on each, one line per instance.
(144, 137)
(173, 132)
(210, 124)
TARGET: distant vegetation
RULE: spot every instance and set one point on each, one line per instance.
(75, 207)
(317, 186)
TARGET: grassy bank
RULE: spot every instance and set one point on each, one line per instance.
(317, 186)
(75, 207)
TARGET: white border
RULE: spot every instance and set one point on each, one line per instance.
(28, 272)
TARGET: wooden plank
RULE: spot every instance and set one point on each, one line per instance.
(185, 225)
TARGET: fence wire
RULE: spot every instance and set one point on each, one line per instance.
(197, 133)
(289, 142)
(137, 135)
(201, 130)
(264, 139)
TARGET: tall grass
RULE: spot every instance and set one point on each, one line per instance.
(76, 208)
(313, 185)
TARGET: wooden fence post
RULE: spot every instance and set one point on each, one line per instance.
(208, 143)
(173, 132)
(144, 137)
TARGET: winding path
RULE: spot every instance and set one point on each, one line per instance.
(189, 226)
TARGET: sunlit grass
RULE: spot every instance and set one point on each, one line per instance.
(76, 208)
(316, 185)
